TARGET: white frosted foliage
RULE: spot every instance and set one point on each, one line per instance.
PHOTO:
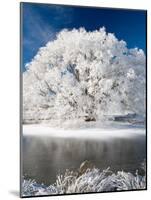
(93, 180)
(84, 75)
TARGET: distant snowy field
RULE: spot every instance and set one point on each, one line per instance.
(104, 131)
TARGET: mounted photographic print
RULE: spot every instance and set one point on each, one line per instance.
(83, 99)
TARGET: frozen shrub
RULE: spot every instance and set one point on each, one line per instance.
(93, 180)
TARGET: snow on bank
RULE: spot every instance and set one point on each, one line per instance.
(93, 180)
(104, 132)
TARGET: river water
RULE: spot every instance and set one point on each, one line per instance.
(44, 157)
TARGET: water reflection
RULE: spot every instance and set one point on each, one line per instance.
(45, 157)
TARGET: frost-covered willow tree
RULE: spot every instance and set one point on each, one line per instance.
(84, 75)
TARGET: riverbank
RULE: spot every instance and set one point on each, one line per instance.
(87, 131)
(93, 180)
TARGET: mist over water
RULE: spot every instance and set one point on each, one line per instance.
(45, 156)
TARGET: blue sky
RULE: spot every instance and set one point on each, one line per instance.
(41, 23)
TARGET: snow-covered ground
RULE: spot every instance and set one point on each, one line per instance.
(92, 180)
(104, 131)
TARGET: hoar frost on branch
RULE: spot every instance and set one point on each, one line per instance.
(84, 75)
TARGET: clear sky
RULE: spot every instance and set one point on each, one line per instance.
(41, 23)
